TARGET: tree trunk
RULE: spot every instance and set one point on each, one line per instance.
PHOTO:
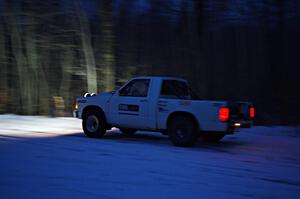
(107, 45)
(32, 62)
(91, 73)
(24, 79)
(66, 75)
(4, 71)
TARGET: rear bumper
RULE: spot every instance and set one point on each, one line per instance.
(241, 123)
(235, 125)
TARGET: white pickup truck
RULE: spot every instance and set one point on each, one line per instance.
(163, 104)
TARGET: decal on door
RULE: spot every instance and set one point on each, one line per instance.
(128, 107)
(185, 103)
(161, 109)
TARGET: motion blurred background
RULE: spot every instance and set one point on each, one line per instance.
(53, 51)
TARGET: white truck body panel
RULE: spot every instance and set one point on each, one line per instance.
(151, 112)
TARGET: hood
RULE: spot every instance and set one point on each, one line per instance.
(105, 93)
(102, 96)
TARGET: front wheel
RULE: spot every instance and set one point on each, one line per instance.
(182, 131)
(93, 124)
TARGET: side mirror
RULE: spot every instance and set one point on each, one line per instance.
(116, 90)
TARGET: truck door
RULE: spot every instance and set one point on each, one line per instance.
(129, 106)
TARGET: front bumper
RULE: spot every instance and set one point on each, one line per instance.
(75, 114)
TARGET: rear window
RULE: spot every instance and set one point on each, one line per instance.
(175, 89)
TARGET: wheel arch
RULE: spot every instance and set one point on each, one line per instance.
(184, 113)
(95, 108)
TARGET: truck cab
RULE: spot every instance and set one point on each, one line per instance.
(164, 104)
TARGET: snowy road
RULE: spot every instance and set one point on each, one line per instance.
(44, 157)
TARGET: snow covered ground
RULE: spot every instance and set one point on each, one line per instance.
(43, 157)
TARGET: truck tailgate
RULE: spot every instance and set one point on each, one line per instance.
(241, 112)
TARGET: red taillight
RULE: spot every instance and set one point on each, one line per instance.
(252, 112)
(224, 114)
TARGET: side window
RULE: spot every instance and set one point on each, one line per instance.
(136, 88)
(174, 89)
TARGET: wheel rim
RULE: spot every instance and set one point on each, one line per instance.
(92, 123)
(181, 132)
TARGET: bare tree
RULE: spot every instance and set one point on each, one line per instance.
(24, 79)
(107, 45)
(91, 73)
(3, 69)
(67, 57)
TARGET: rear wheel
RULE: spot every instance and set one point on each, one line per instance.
(213, 137)
(93, 124)
(182, 131)
(128, 131)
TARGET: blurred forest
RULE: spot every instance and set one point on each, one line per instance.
(53, 51)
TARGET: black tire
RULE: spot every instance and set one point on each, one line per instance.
(183, 131)
(93, 124)
(128, 131)
(212, 137)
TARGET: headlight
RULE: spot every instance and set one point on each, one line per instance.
(76, 105)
